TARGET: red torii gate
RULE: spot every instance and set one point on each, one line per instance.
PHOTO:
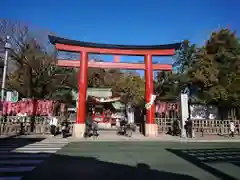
(84, 48)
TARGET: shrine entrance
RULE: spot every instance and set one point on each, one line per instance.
(84, 48)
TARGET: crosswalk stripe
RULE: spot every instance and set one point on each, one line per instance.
(15, 160)
(30, 147)
(17, 169)
(8, 145)
(11, 178)
(55, 141)
(4, 152)
(227, 168)
(46, 144)
(50, 151)
(8, 162)
(38, 148)
(24, 156)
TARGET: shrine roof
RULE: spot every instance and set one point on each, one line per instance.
(60, 40)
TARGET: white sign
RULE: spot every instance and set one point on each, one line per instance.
(184, 112)
(198, 111)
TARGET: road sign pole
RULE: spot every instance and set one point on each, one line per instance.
(7, 47)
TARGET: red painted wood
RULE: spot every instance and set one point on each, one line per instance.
(112, 65)
(84, 64)
(116, 59)
(149, 88)
(157, 52)
(82, 88)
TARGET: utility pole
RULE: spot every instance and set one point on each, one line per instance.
(7, 47)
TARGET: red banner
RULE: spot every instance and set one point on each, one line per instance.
(30, 107)
(164, 107)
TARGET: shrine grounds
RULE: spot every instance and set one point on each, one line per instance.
(141, 160)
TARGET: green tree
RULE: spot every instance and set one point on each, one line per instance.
(32, 70)
(131, 88)
(215, 72)
(169, 84)
(129, 85)
(166, 85)
(185, 57)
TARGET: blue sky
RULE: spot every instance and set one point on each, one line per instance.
(127, 21)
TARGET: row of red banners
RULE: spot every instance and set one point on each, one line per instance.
(165, 107)
(31, 107)
(47, 107)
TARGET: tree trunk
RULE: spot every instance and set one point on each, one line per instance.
(29, 84)
(29, 94)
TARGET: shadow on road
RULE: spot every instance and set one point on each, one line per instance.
(62, 167)
(15, 142)
(26, 166)
(202, 157)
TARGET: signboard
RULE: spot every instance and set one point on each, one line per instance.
(96, 92)
(12, 96)
(184, 107)
(198, 111)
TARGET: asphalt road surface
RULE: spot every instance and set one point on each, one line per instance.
(21, 155)
(140, 160)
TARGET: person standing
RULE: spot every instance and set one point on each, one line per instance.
(190, 128)
(53, 125)
(232, 128)
(22, 120)
(186, 127)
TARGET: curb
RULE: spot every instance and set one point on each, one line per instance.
(8, 137)
(153, 140)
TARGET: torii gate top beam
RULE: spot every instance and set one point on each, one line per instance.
(63, 44)
(79, 46)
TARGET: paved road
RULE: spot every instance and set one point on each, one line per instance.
(141, 160)
(19, 156)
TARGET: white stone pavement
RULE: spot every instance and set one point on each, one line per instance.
(111, 136)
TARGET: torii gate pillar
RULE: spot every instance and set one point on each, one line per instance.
(79, 126)
(150, 126)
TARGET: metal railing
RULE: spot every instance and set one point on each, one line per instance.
(13, 125)
(207, 126)
(164, 124)
(214, 127)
